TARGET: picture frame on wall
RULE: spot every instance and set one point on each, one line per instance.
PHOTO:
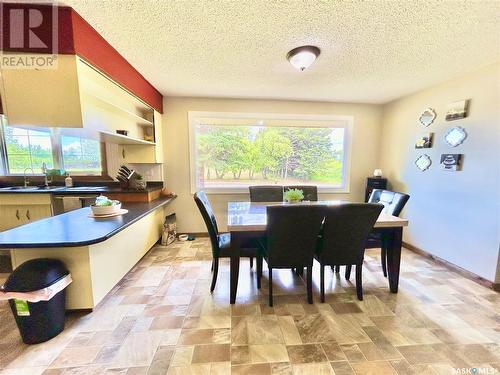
(451, 162)
(424, 140)
(457, 110)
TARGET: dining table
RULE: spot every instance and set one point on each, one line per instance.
(248, 220)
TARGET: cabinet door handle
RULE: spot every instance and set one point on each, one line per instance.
(28, 216)
(123, 153)
(17, 214)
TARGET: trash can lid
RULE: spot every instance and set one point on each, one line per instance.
(35, 274)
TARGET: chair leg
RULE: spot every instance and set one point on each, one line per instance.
(212, 268)
(259, 271)
(215, 264)
(383, 260)
(348, 272)
(270, 287)
(322, 282)
(309, 285)
(359, 281)
(251, 262)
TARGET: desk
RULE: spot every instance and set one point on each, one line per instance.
(249, 220)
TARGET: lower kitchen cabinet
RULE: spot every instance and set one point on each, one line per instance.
(20, 209)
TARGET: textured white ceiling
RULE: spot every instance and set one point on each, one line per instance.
(371, 51)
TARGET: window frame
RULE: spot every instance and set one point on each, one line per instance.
(330, 121)
(57, 154)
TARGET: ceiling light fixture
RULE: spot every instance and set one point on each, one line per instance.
(303, 57)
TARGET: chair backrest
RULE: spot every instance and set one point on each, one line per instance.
(292, 234)
(345, 231)
(209, 218)
(393, 201)
(310, 191)
(266, 193)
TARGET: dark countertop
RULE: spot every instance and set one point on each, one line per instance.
(76, 228)
(62, 190)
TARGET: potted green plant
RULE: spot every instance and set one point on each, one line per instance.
(293, 195)
(140, 182)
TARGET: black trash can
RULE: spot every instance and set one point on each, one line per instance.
(38, 321)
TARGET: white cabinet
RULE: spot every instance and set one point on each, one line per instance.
(77, 95)
(137, 154)
(20, 209)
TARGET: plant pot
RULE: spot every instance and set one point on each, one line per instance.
(140, 184)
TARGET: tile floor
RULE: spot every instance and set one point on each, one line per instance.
(161, 319)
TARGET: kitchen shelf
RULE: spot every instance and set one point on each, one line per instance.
(123, 139)
(141, 121)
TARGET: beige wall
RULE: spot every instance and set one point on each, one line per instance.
(453, 215)
(365, 148)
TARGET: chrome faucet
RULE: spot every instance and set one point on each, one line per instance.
(45, 172)
(26, 182)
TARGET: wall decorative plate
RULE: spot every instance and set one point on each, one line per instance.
(455, 136)
(423, 162)
(457, 110)
(427, 117)
(451, 162)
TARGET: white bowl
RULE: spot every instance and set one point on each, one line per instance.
(106, 210)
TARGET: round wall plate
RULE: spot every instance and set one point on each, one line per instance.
(455, 136)
(423, 162)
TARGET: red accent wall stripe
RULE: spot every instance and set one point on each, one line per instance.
(76, 36)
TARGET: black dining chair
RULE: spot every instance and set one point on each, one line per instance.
(394, 203)
(310, 191)
(342, 242)
(292, 236)
(266, 193)
(221, 242)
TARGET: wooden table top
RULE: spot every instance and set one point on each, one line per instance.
(252, 216)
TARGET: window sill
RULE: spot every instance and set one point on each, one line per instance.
(244, 190)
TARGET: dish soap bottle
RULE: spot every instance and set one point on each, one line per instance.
(68, 181)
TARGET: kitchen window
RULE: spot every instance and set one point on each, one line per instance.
(230, 151)
(81, 155)
(23, 148)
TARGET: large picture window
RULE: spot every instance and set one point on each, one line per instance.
(23, 148)
(230, 151)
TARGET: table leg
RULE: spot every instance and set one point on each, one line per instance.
(395, 238)
(235, 265)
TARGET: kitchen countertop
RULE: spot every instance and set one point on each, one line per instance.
(76, 228)
(62, 190)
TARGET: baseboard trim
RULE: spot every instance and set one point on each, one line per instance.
(453, 267)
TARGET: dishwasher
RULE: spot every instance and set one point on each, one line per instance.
(66, 203)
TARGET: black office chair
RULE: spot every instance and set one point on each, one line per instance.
(344, 233)
(310, 192)
(221, 242)
(394, 203)
(292, 236)
(266, 193)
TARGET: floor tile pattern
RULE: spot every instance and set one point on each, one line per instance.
(161, 319)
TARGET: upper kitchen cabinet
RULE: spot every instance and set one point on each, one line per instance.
(48, 97)
(135, 154)
(90, 85)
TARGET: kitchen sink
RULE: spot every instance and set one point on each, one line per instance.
(17, 188)
(30, 188)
